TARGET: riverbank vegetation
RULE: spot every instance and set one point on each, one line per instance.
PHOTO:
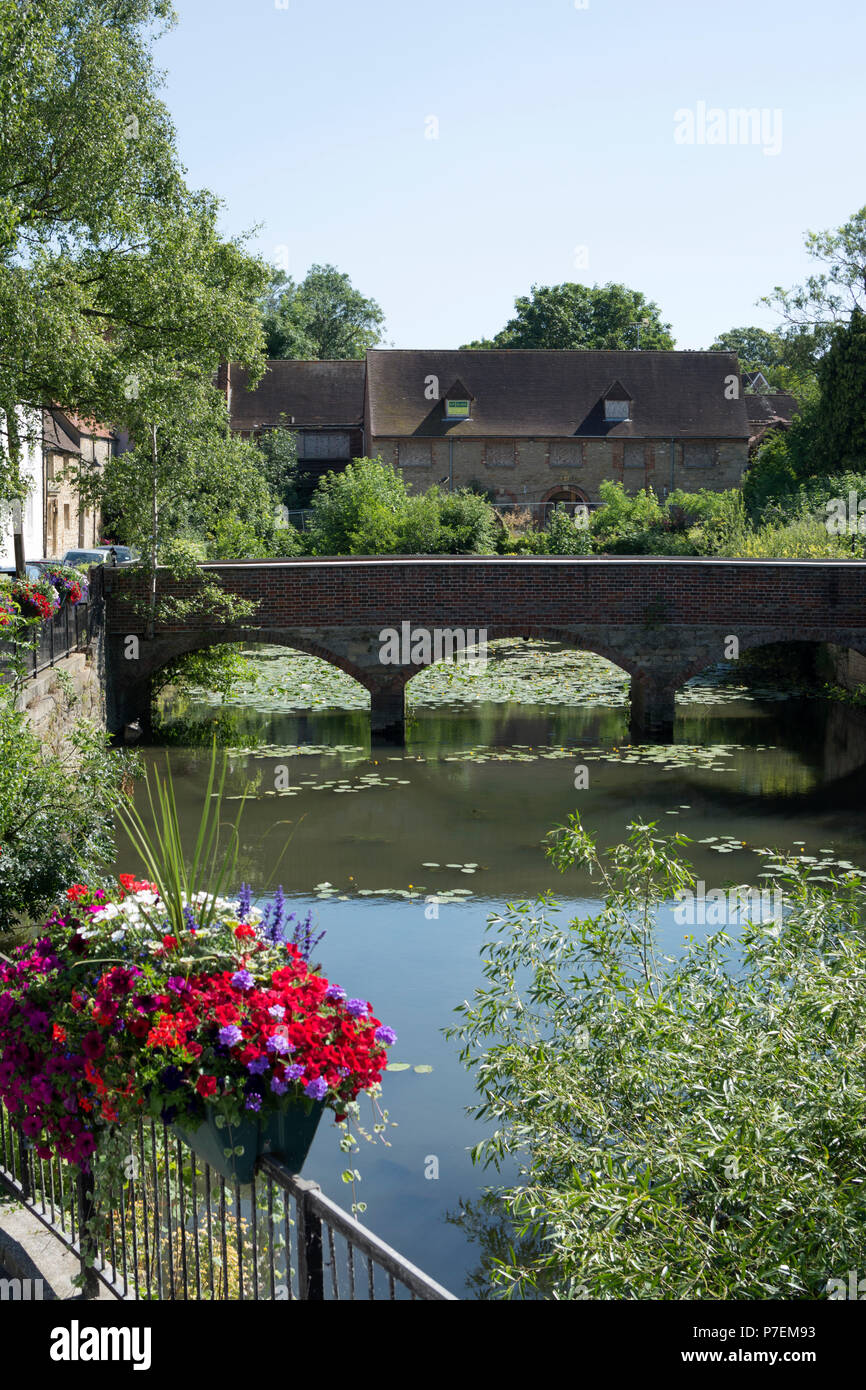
(686, 1126)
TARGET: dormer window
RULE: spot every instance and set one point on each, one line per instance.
(617, 403)
(458, 402)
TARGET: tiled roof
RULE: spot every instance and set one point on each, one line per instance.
(315, 393)
(533, 393)
(770, 410)
(59, 433)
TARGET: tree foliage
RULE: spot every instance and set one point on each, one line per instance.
(582, 316)
(323, 318)
(685, 1126)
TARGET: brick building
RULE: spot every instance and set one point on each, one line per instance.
(531, 426)
(71, 448)
(321, 402)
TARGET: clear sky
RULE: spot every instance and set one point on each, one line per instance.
(556, 132)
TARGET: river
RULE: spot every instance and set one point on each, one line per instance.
(402, 854)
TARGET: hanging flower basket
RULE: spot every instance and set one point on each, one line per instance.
(35, 600)
(286, 1134)
(210, 1017)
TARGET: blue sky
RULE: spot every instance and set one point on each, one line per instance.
(556, 132)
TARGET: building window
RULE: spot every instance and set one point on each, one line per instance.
(566, 453)
(616, 410)
(500, 454)
(633, 454)
(699, 454)
(456, 410)
(323, 444)
(415, 453)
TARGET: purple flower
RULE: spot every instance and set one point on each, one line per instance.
(278, 1012)
(334, 994)
(242, 979)
(177, 984)
(230, 1035)
(278, 1087)
(356, 1007)
(257, 1066)
(245, 902)
(385, 1035)
(279, 1043)
(295, 1071)
(316, 1090)
(254, 1101)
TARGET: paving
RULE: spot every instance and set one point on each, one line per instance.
(28, 1250)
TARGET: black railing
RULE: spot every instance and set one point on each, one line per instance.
(171, 1228)
(66, 632)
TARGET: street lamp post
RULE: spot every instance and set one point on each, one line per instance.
(18, 537)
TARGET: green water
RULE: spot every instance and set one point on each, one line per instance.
(402, 854)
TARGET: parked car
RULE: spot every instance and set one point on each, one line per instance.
(101, 555)
(32, 569)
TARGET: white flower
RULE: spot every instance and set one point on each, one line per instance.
(146, 896)
(118, 935)
(106, 913)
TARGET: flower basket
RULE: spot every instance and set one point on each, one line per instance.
(212, 1018)
(287, 1135)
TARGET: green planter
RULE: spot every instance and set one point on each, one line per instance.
(286, 1134)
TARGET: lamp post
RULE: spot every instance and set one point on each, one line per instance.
(642, 323)
(18, 537)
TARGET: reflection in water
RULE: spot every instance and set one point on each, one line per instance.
(402, 854)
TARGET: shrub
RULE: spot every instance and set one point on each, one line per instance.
(685, 1127)
(56, 811)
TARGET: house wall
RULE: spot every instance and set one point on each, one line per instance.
(68, 526)
(31, 470)
(529, 469)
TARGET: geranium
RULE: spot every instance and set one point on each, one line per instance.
(185, 1023)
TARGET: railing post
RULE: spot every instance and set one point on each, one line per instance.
(23, 1152)
(87, 1243)
(311, 1274)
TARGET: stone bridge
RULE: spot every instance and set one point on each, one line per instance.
(660, 620)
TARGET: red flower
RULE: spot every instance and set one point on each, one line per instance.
(244, 930)
(92, 1046)
(59, 1033)
(78, 890)
(170, 943)
(206, 1086)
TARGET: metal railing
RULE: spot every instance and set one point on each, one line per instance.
(66, 632)
(541, 511)
(174, 1229)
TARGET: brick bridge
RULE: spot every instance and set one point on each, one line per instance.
(660, 620)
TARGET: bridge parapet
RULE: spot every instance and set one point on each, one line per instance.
(660, 620)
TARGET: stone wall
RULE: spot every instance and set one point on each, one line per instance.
(849, 667)
(71, 689)
(528, 470)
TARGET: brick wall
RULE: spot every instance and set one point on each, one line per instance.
(531, 593)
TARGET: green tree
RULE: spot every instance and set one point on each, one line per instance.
(581, 316)
(684, 1126)
(758, 349)
(828, 298)
(324, 317)
(841, 418)
(280, 454)
(86, 158)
